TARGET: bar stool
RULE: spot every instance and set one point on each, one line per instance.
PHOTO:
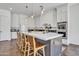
(35, 46)
(18, 40)
(25, 46)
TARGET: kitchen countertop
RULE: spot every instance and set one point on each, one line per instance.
(45, 37)
(53, 28)
(14, 30)
(49, 30)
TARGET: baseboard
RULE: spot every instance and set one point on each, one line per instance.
(4, 40)
(74, 44)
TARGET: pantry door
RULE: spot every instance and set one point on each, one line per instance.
(4, 28)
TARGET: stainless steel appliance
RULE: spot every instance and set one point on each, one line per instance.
(62, 25)
(62, 29)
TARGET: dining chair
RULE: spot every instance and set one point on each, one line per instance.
(36, 46)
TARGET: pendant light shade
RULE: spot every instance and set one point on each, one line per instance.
(42, 10)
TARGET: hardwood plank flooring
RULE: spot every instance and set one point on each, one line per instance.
(9, 48)
(71, 50)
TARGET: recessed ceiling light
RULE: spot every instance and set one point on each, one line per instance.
(42, 12)
(32, 16)
(10, 8)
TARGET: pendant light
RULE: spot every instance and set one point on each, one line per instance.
(32, 12)
(32, 16)
(42, 9)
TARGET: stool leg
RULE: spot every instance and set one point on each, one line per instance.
(28, 51)
(35, 53)
(24, 53)
(43, 52)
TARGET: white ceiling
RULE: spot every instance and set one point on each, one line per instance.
(33, 8)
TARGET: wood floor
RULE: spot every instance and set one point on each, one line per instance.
(9, 48)
(71, 50)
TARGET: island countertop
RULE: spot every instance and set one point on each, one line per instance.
(44, 36)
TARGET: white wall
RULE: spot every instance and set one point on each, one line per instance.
(73, 25)
(49, 17)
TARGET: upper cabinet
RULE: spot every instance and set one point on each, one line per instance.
(47, 18)
(62, 13)
(18, 20)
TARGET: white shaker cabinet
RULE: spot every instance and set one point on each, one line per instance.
(62, 13)
(59, 15)
(5, 25)
(62, 16)
(13, 35)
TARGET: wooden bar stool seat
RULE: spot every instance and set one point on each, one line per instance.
(35, 46)
(39, 45)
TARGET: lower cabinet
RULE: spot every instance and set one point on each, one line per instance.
(13, 35)
(64, 41)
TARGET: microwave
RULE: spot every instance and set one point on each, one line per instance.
(62, 25)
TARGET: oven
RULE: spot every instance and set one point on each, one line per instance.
(62, 29)
(62, 25)
(64, 34)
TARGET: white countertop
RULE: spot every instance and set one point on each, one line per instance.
(45, 37)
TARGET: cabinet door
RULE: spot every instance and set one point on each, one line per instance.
(64, 13)
(59, 14)
(4, 28)
(14, 35)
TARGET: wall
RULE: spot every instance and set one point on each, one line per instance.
(73, 25)
(49, 17)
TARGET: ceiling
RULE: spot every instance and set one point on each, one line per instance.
(33, 8)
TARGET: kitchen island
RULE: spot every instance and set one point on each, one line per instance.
(53, 42)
